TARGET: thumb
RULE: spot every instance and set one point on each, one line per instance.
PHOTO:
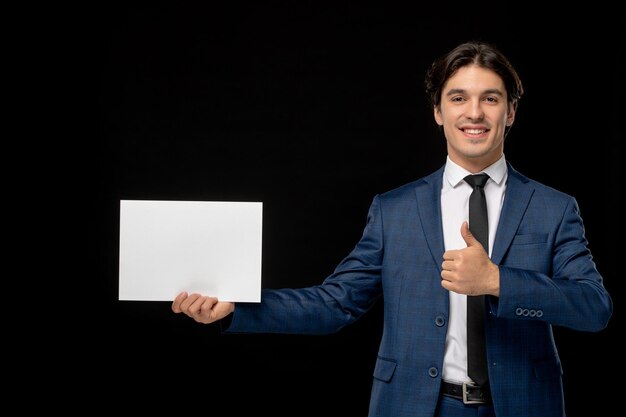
(468, 237)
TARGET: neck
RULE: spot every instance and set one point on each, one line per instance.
(474, 165)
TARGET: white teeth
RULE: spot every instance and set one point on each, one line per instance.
(474, 131)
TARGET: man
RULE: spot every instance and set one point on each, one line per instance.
(533, 268)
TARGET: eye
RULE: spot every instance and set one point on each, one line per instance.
(491, 99)
(457, 99)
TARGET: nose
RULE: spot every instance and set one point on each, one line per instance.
(474, 110)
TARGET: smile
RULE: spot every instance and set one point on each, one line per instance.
(475, 131)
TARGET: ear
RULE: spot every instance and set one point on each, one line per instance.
(437, 114)
(510, 118)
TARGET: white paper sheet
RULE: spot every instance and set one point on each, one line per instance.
(209, 247)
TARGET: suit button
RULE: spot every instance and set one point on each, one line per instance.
(539, 313)
(433, 372)
(440, 321)
(518, 311)
(525, 312)
(533, 313)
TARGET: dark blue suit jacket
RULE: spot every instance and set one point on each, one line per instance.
(547, 277)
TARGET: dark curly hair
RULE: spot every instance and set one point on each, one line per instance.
(478, 53)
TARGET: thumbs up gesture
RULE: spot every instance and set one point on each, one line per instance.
(469, 270)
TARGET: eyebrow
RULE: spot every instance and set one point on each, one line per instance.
(495, 91)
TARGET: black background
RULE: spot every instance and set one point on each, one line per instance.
(313, 108)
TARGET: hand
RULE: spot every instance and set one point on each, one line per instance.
(202, 308)
(470, 271)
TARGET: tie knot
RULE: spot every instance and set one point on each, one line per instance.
(477, 180)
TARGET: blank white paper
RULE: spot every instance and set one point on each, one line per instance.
(208, 247)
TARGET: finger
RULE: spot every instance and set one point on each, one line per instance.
(451, 255)
(188, 302)
(448, 265)
(195, 307)
(207, 305)
(468, 237)
(446, 275)
(446, 284)
(177, 301)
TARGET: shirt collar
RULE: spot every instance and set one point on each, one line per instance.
(454, 174)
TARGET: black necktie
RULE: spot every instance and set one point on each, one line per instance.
(479, 226)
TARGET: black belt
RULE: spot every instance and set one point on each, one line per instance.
(468, 393)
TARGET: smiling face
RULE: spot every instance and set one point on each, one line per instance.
(474, 114)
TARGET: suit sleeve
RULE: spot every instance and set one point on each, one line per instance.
(344, 296)
(568, 293)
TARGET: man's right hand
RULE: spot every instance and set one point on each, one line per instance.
(202, 308)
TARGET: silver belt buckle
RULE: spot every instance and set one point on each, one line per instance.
(468, 401)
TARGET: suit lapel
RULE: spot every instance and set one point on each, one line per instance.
(428, 194)
(516, 200)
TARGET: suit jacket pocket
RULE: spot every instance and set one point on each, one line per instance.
(384, 369)
(547, 368)
(530, 238)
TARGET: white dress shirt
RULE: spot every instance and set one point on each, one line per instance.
(455, 195)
